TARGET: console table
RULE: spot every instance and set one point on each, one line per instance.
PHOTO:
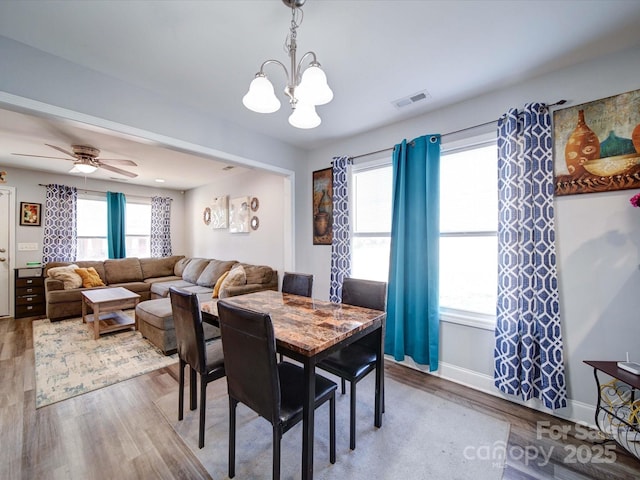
(618, 408)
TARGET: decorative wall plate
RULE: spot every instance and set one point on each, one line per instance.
(255, 223)
(206, 216)
(255, 204)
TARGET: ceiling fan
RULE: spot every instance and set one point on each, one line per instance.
(85, 160)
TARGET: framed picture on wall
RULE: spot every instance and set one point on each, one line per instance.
(597, 145)
(239, 210)
(323, 206)
(30, 214)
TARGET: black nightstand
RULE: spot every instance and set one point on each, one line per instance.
(29, 292)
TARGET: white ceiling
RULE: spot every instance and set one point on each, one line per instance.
(205, 53)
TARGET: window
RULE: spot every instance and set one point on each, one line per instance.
(92, 229)
(468, 228)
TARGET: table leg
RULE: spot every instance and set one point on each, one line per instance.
(379, 378)
(84, 310)
(308, 412)
(96, 321)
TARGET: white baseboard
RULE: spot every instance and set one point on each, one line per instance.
(575, 411)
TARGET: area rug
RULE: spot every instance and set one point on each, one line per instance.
(422, 436)
(70, 362)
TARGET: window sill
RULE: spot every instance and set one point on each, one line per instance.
(468, 319)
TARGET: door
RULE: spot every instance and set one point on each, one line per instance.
(7, 219)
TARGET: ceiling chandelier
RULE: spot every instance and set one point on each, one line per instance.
(305, 89)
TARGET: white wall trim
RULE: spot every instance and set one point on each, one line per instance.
(577, 412)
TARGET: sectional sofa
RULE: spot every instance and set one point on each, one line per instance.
(151, 278)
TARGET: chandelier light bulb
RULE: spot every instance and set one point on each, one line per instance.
(261, 98)
(313, 87)
(304, 116)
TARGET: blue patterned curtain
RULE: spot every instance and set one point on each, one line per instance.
(341, 242)
(413, 317)
(116, 224)
(161, 226)
(528, 338)
(59, 243)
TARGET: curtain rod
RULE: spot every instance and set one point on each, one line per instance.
(88, 190)
(559, 102)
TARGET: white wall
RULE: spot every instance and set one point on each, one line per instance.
(264, 246)
(598, 235)
(27, 187)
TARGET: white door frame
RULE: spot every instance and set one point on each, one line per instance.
(9, 264)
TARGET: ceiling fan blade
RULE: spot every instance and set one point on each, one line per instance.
(116, 161)
(118, 170)
(41, 156)
(61, 150)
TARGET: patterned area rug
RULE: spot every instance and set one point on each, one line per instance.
(70, 362)
(422, 437)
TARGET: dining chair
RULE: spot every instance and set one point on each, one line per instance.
(297, 284)
(205, 359)
(357, 360)
(273, 390)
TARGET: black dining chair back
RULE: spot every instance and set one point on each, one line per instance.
(297, 284)
(204, 359)
(254, 377)
(358, 359)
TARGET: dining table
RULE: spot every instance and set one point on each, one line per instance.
(308, 330)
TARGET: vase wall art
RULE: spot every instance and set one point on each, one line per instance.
(323, 206)
(597, 145)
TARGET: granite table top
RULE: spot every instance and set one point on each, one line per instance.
(305, 325)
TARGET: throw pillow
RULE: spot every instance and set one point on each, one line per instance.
(67, 275)
(235, 277)
(216, 288)
(90, 277)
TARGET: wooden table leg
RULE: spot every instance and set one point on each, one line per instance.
(96, 321)
(84, 310)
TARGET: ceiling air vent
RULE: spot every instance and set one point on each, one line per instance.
(228, 167)
(411, 99)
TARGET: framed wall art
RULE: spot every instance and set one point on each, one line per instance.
(239, 211)
(322, 206)
(30, 214)
(597, 145)
(220, 212)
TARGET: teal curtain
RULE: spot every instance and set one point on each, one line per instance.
(116, 207)
(412, 301)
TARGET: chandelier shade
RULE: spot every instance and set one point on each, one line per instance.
(261, 98)
(313, 87)
(306, 87)
(304, 116)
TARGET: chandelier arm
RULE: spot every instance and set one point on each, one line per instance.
(298, 71)
(278, 62)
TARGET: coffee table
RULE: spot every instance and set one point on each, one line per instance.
(107, 305)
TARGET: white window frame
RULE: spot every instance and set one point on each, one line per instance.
(448, 315)
(102, 197)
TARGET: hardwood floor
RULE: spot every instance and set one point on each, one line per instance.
(117, 432)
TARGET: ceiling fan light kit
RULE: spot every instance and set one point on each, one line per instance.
(305, 88)
(86, 161)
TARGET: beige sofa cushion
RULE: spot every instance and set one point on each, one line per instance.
(67, 275)
(123, 270)
(234, 278)
(259, 274)
(181, 264)
(213, 271)
(193, 270)
(158, 267)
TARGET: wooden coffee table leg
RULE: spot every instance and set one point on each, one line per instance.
(96, 321)
(84, 310)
